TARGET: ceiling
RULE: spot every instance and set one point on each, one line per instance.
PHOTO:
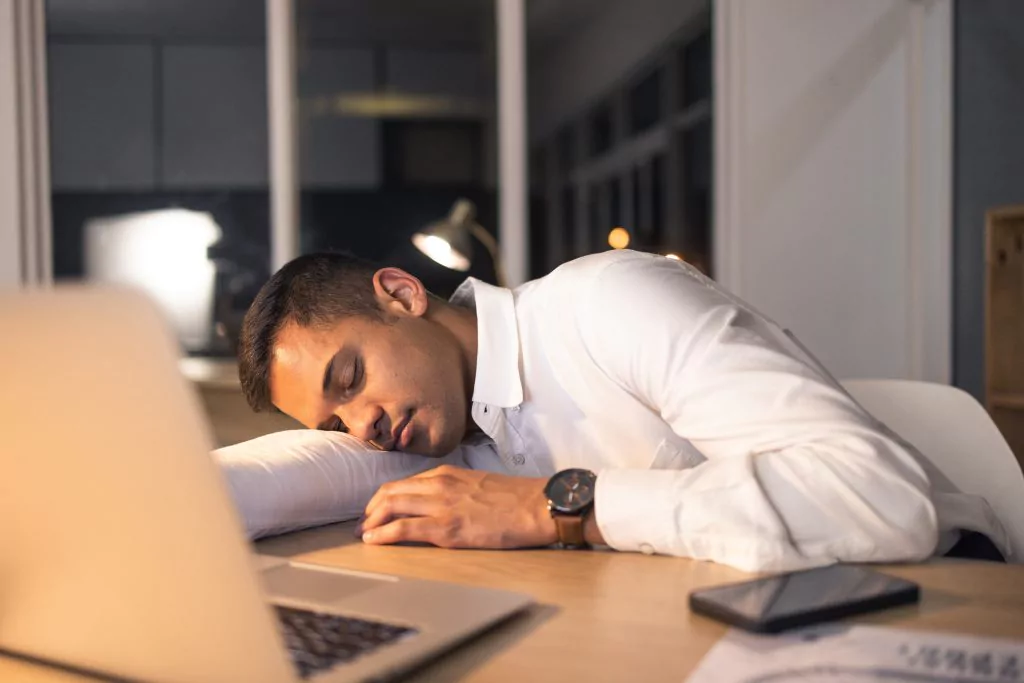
(348, 22)
(352, 22)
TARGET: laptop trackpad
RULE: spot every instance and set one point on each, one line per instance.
(311, 585)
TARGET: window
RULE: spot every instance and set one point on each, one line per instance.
(420, 154)
(158, 156)
(538, 170)
(568, 222)
(395, 107)
(645, 103)
(596, 227)
(566, 150)
(695, 71)
(615, 199)
(658, 180)
(637, 218)
(697, 188)
(601, 130)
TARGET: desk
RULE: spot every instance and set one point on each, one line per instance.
(606, 616)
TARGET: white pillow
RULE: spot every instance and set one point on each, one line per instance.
(292, 480)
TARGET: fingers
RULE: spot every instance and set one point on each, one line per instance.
(409, 530)
(403, 505)
(411, 486)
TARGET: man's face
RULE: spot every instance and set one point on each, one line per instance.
(401, 383)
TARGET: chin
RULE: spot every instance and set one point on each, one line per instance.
(439, 450)
(441, 446)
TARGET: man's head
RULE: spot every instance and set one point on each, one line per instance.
(340, 345)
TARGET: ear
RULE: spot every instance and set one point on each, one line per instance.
(400, 293)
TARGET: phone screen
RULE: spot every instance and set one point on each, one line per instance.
(781, 598)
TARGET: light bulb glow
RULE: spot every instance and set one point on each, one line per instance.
(439, 250)
(618, 238)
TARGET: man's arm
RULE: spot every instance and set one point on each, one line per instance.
(797, 474)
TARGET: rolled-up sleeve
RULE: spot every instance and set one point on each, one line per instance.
(797, 474)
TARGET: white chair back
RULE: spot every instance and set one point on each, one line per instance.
(957, 436)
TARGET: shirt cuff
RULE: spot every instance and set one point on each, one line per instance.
(634, 510)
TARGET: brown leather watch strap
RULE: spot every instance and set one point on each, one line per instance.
(570, 531)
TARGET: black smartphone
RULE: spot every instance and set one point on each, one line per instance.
(786, 601)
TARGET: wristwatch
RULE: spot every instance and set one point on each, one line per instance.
(570, 499)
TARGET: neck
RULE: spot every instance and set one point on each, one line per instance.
(462, 325)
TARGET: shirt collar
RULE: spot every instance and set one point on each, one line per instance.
(498, 382)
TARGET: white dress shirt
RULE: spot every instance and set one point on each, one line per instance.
(713, 434)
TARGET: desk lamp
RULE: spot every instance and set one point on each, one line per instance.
(448, 242)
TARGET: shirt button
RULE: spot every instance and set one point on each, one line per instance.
(518, 460)
(486, 410)
(515, 409)
(647, 548)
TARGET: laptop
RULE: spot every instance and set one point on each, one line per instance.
(120, 550)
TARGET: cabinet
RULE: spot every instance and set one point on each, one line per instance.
(214, 117)
(163, 116)
(336, 150)
(102, 124)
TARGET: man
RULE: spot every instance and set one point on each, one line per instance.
(648, 409)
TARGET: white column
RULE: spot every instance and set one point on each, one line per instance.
(25, 253)
(513, 188)
(284, 190)
(10, 173)
(833, 162)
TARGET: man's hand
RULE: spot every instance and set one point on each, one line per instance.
(453, 507)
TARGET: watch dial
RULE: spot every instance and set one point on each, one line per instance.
(572, 490)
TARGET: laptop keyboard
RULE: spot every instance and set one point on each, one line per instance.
(317, 641)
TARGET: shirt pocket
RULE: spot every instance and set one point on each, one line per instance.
(671, 455)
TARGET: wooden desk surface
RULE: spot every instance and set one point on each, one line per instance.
(605, 616)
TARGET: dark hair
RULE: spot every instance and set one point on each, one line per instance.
(311, 291)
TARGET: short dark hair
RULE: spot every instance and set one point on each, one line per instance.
(311, 291)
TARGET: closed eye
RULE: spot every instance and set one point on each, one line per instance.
(357, 375)
(347, 385)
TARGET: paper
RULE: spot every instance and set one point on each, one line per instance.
(861, 654)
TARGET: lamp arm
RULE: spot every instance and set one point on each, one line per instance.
(491, 245)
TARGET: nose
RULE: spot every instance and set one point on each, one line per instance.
(363, 421)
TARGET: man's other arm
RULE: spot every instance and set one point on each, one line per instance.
(796, 474)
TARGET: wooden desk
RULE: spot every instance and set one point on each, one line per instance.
(605, 616)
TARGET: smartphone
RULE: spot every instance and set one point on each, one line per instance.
(787, 601)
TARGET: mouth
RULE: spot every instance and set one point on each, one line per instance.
(402, 434)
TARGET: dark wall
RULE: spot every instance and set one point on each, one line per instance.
(988, 159)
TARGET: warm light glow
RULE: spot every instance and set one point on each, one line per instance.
(163, 253)
(618, 238)
(393, 104)
(440, 251)
(674, 257)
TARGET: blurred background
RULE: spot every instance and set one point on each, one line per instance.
(164, 104)
(850, 168)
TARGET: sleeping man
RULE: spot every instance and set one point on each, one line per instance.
(623, 400)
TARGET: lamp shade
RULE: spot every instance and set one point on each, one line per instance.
(447, 241)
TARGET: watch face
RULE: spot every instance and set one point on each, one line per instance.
(571, 491)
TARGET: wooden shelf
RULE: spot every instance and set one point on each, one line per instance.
(1004, 322)
(1013, 401)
